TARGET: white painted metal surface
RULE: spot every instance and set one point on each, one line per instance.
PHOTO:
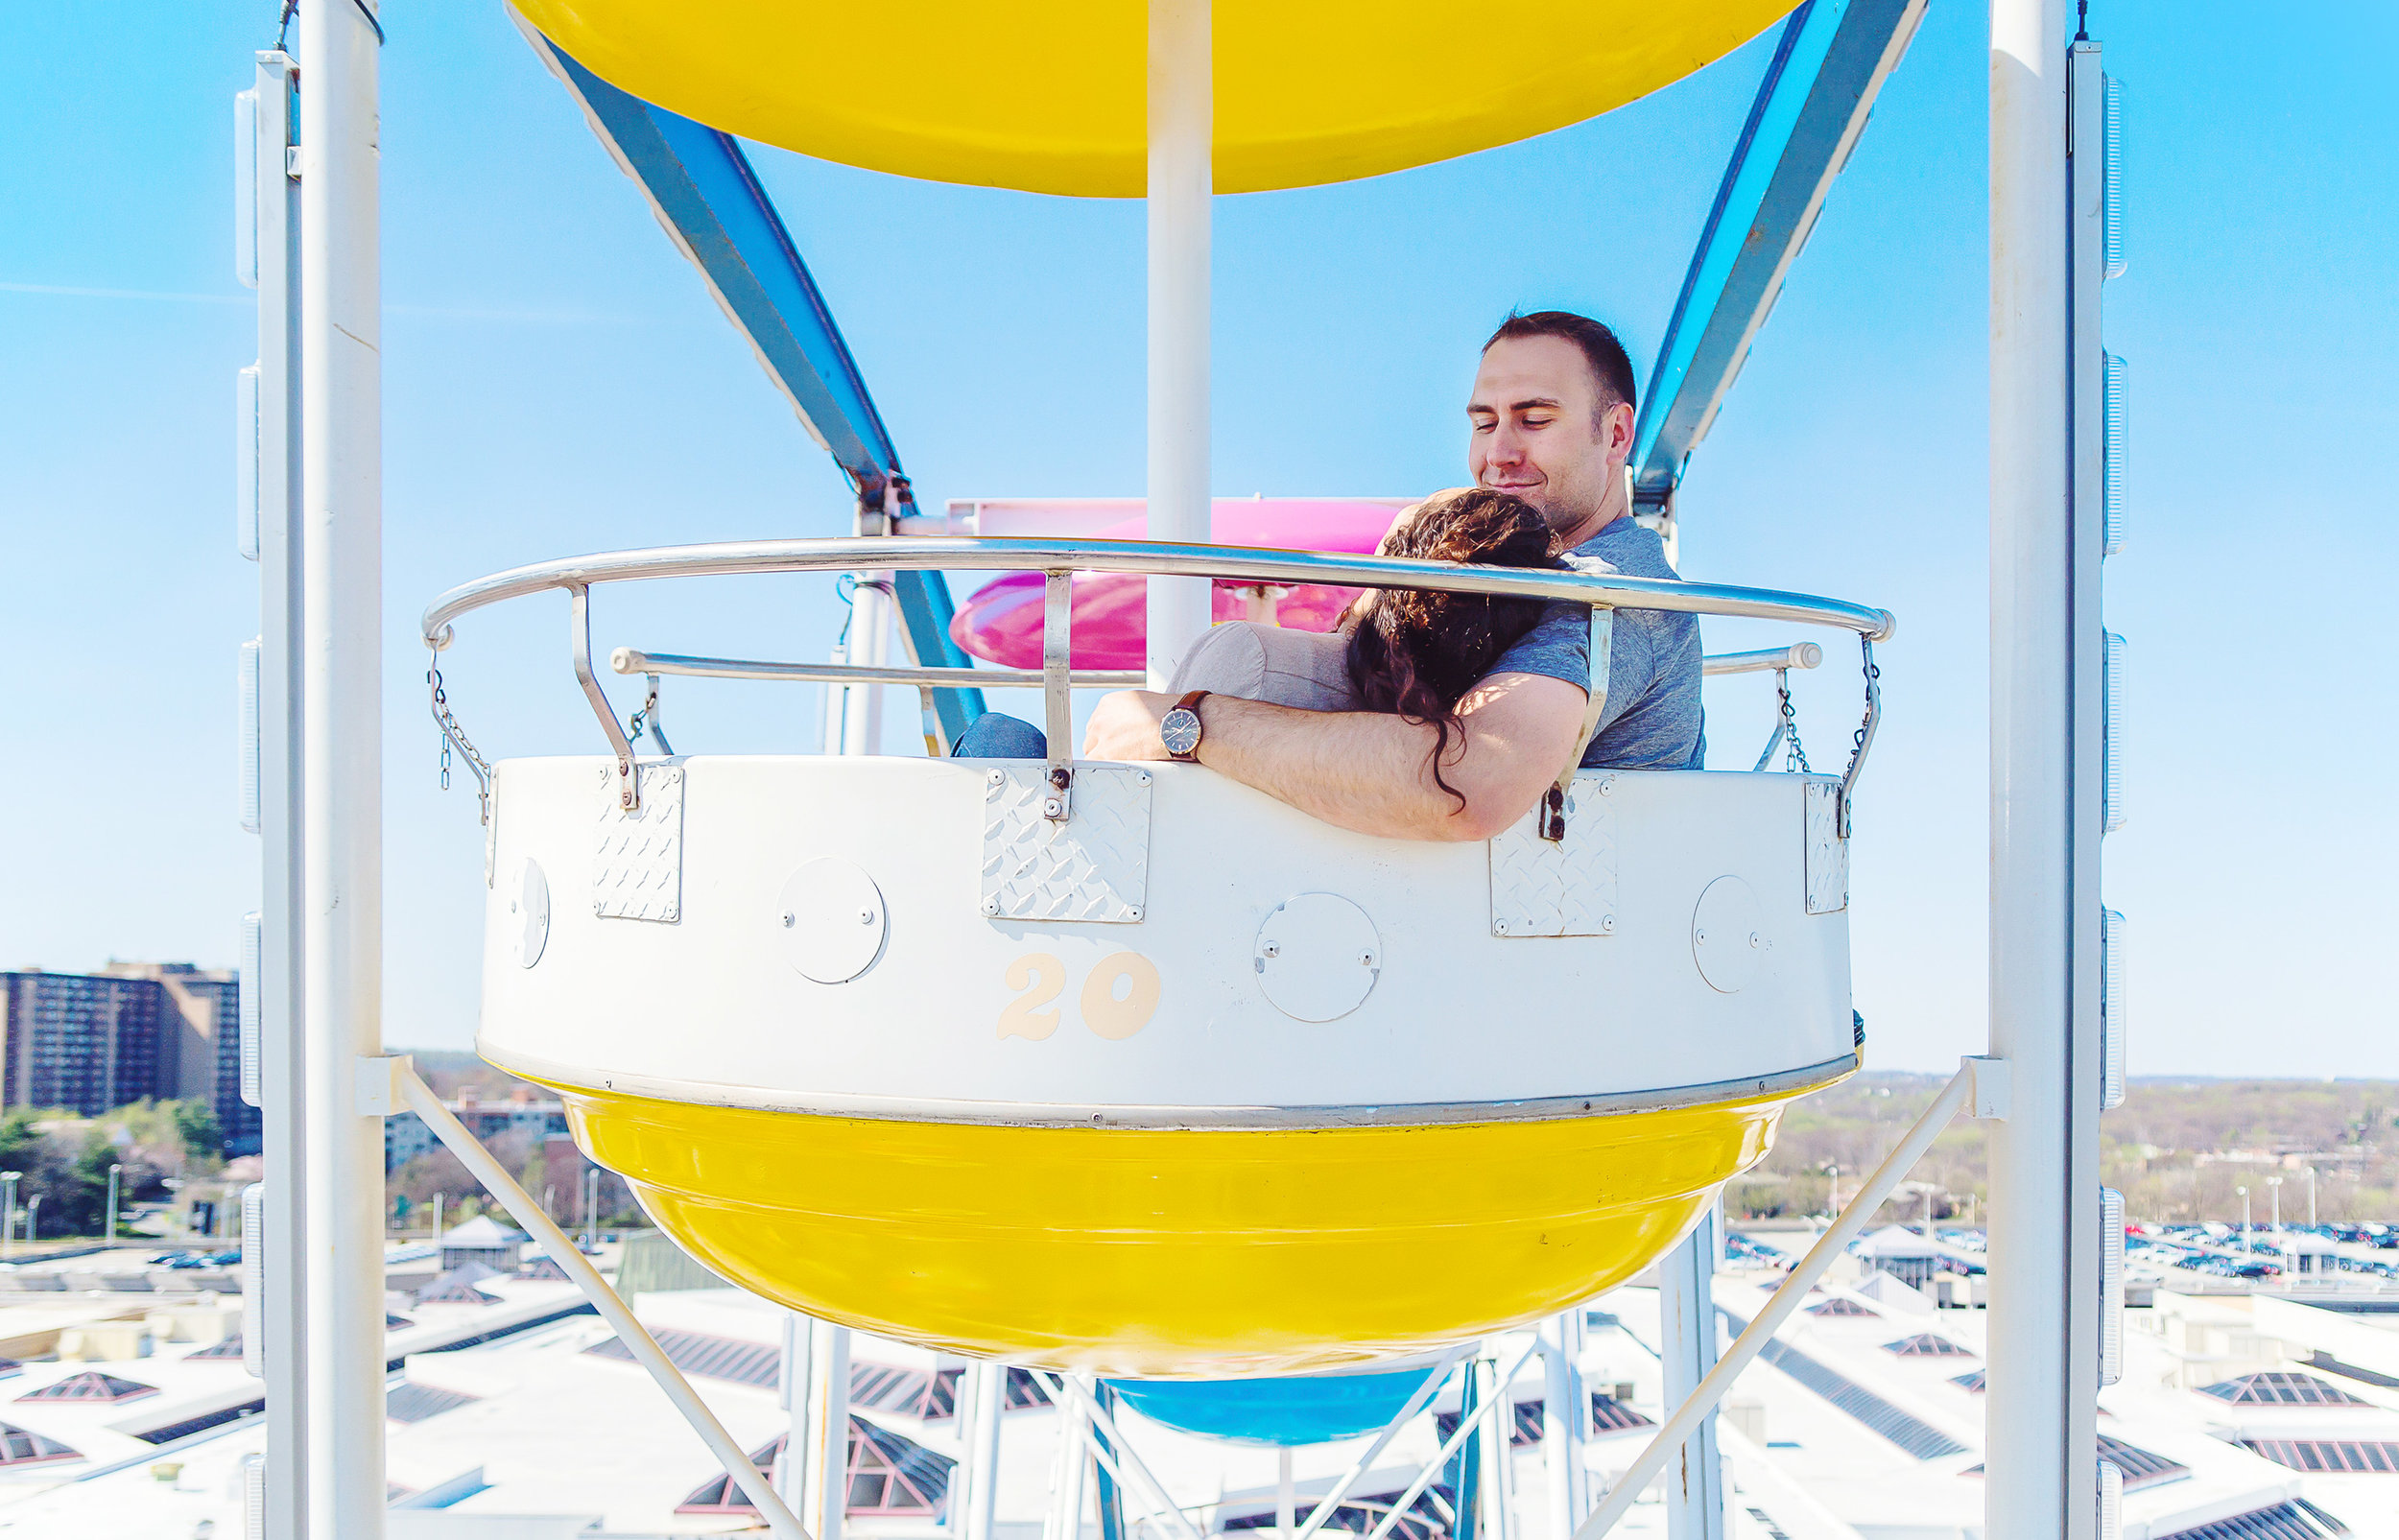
(2040, 1414)
(1560, 886)
(834, 920)
(965, 1015)
(341, 761)
(1828, 853)
(1317, 957)
(637, 853)
(528, 899)
(271, 1314)
(1182, 130)
(1687, 1349)
(1094, 866)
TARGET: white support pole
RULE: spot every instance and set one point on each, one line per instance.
(828, 1426)
(983, 1457)
(1695, 1482)
(1182, 131)
(792, 1382)
(2040, 1420)
(1967, 1085)
(342, 760)
(870, 614)
(1286, 1495)
(520, 1205)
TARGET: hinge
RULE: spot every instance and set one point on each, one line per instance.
(291, 162)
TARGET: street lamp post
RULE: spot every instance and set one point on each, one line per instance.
(2273, 1195)
(2244, 1216)
(33, 1218)
(1832, 1205)
(2311, 1197)
(108, 1236)
(8, 1207)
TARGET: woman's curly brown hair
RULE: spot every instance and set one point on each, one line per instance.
(1417, 653)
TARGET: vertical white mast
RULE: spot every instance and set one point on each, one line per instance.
(342, 760)
(2040, 1421)
(1182, 130)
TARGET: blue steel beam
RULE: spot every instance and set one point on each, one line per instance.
(1829, 63)
(703, 189)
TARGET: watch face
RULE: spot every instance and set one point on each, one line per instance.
(1179, 732)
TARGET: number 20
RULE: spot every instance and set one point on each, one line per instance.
(1040, 978)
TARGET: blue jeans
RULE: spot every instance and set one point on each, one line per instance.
(996, 735)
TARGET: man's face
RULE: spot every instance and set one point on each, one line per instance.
(1539, 435)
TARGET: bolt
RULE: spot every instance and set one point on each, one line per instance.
(1141, 778)
(1499, 926)
(790, 920)
(1366, 960)
(1133, 913)
(1049, 808)
(998, 777)
(990, 905)
(1608, 924)
(1607, 785)
(1755, 939)
(598, 907)
(1700, 936)
(1272, 949)
(866, 916)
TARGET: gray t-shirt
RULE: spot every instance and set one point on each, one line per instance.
(1652, 719)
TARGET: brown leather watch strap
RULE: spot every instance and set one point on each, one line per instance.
(1189, 702)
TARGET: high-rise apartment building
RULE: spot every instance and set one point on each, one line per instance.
(88, 1042)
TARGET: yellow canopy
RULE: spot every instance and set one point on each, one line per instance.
(1050, 98)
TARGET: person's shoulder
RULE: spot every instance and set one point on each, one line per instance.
(1629, 547)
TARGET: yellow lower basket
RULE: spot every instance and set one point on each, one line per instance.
(1204, 1252)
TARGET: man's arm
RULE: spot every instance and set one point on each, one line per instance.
(1372, 771)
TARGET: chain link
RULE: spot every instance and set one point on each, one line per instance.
(1863, 736)
(646, 719)
(1794, 753)
(453, 734)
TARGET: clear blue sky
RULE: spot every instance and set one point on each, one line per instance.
(558, 381)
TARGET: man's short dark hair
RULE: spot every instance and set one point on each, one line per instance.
(1610, 365)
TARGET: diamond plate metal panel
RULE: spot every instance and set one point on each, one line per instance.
(1828, 853)
(637, 865)
(1093, 867)
(1565, 888)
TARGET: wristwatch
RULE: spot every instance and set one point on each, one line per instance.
(1179, 731)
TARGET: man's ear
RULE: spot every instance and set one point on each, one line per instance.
(1617, 431)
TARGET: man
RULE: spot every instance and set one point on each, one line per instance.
(1552, 419)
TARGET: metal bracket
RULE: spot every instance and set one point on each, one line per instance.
(1994, 1087)
(379, 1081)
(1058, 712)
(579, 632)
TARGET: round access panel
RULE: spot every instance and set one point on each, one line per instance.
(1317, 957)
(833, 920)
(1728, 938)
(529, 913)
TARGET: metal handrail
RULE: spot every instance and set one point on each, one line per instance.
(1158, 558)
(630, 660)
(1056, 560)
(633, 660)
(1797, 655)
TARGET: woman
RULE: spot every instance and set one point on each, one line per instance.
(1412, 652)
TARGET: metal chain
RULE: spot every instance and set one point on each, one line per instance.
(646, 719)
(1865, 735)
(1794, 753)
(453, 734)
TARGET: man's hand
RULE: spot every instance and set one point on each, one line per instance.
(1125, 727)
